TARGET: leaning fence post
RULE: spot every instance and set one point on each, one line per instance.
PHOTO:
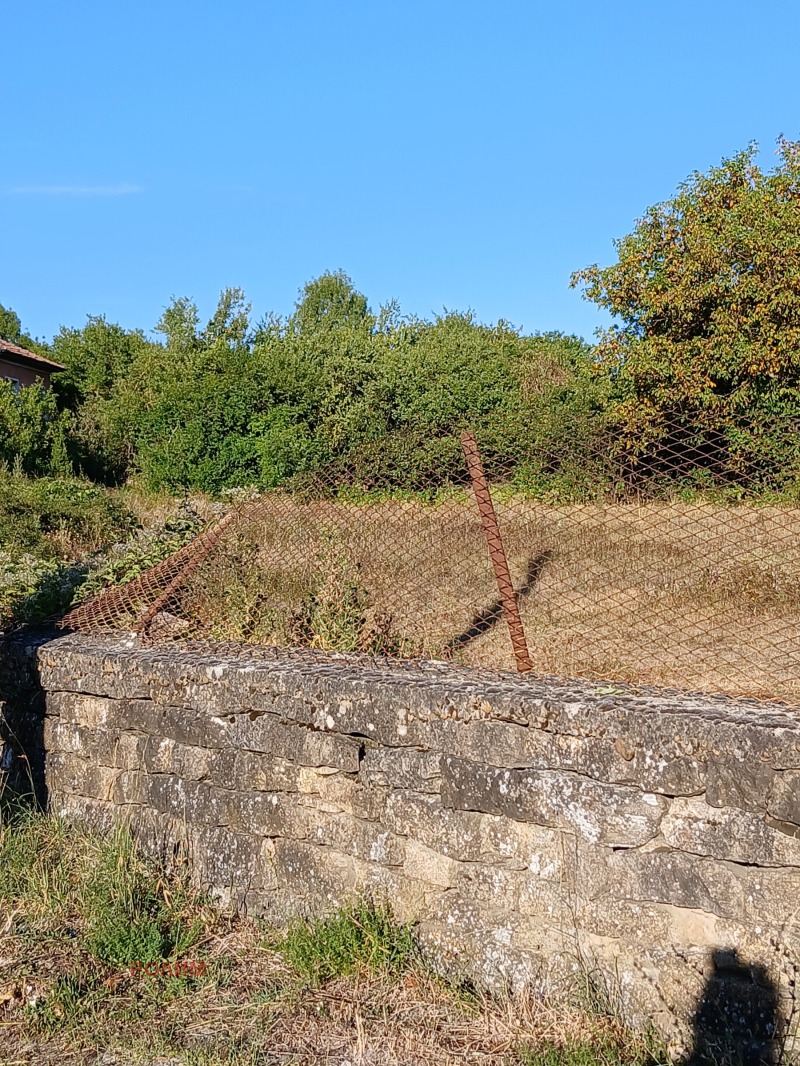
(204, 544)
(497, 554)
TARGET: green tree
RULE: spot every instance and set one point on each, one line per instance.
(704, 354)
(95, 358)
(11, 330)
(98, 360)
(192, 403)
(330, 302)
(33, 432)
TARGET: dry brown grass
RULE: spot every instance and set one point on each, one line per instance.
(247, 1010)
(684, 595)
(63, 1003)
(153, 509)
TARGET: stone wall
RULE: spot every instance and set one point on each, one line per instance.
(534, 830)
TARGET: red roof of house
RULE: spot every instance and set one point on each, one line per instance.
(15, 354)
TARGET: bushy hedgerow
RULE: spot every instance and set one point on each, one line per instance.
(232, 404)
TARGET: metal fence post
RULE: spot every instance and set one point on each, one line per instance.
(497, 554)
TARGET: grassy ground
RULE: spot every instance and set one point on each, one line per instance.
(689, 595)
(680, 594)
(104, 958)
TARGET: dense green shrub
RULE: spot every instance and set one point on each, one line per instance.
(35, 589)
(231, 404)
(34, 433)
(58, 516)
(50, 529)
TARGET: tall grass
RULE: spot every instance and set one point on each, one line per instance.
(359, 936)
(109, 896)
(77, 908)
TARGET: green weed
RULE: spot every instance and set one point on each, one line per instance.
(123, 913)
(130, 916)
(73, 997)
(360, 936)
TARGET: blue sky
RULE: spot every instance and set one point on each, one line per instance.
(444, 154)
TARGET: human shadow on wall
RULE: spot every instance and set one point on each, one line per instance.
(738, 1021)
(486, 619)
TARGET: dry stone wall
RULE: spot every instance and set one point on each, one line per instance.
(536, 831)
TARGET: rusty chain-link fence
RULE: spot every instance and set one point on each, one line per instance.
(669, 559)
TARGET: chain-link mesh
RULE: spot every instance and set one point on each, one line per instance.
(669, 557)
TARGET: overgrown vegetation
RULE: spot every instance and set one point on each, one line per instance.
(100, 889)
(699, 373)
(55, 517)
(63, 539)
(106, 953)
(51, 529)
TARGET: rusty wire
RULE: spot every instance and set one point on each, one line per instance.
(671, 561)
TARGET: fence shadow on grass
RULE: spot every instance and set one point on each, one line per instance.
(488, 618)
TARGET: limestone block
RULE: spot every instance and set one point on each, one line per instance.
(728, 833)
(89, 711)
(492, 886)
(127, 751)
(383, 716)
(100, 745)
(308, 871)
(297, 743)
(429, 866)
(58, 736)
(130, 787)
(546, 903)
(270, 814)
(663, 875)
(343, 792)
(456, 834)
(351, 836)
(773, 893)
(615, 759)
(598, 812)
(184, 724)
(633, 922)
(498, 967)
(73, 773)
(546, 853)
(162, 755)
(493, 945)
(195, 802)
(783, 800)
(271, 905)
(402, 768)
(754, 786)
(408, 896)
(97, 815)
(233, 860)
(256, 771)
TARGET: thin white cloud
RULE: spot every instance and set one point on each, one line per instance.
(124, 189)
